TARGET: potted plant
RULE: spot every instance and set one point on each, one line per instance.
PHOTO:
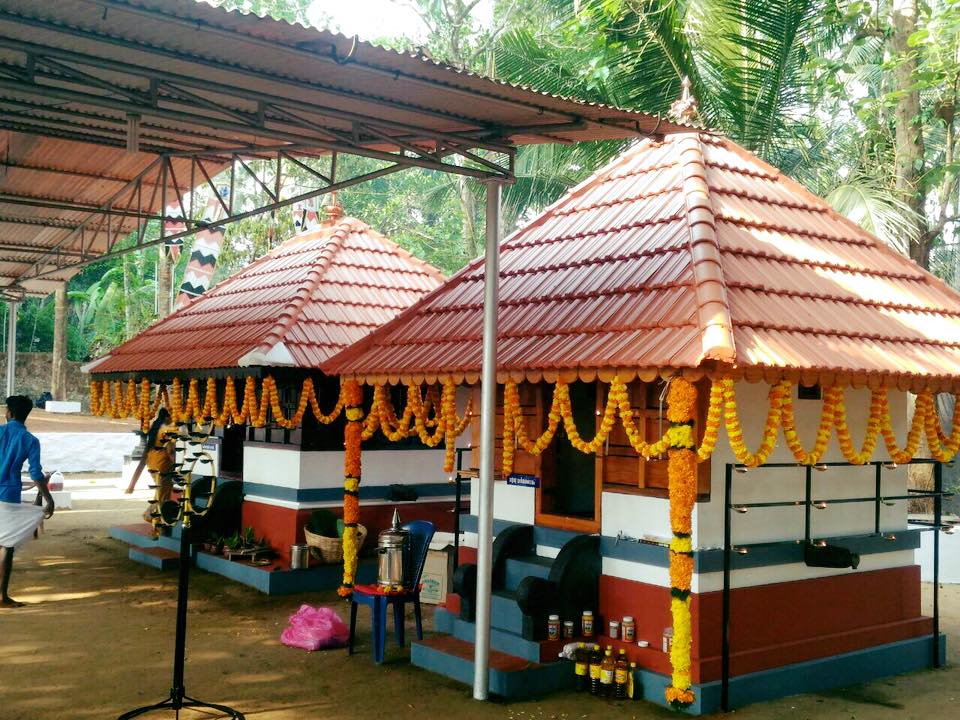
(213, 544)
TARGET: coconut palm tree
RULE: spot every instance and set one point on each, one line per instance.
(751, 67)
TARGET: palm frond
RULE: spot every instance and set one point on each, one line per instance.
(877, 210)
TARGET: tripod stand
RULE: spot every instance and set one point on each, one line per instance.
(171, 512)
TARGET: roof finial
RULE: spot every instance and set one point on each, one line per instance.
(684, 108)
(332, 211)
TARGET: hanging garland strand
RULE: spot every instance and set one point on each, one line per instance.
(111, 399)
(352, 398)
(682, 477)
(416, 420)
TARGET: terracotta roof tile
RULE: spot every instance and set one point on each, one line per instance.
(675, 253)
(317, 293)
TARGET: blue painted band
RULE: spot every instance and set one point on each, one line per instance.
(369, 492)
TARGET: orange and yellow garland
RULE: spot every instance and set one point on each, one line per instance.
(682, 477)
(421, 418)
(111, 399)
(352, 440)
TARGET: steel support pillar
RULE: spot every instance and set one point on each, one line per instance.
(12, 307)
(58, 371)
(488, 414)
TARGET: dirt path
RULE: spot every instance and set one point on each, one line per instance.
(99, 639)
(41, 421)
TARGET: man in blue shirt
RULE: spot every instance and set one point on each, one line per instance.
(17, 445)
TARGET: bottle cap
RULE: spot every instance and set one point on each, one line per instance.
(585, 612)
(627, 619)
(554, 617)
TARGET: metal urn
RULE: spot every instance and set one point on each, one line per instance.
(393, 553)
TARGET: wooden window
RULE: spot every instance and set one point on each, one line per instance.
(623, 470)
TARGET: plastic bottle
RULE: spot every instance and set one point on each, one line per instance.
(586, 623)
(620, 675)
(581, 663)
(607, 672)
(553, 627)
(595, 660)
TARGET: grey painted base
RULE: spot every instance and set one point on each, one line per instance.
(271, 582)
(284, 582)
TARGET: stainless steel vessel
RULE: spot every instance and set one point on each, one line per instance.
(299, 557)
(393, 554)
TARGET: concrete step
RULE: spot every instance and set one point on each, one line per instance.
(141, 535)
(505, 614)
(500, 640)
(155, 557)
(518, 568)
(509, 676)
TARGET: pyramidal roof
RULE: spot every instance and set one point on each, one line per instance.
(296, 306)
(687, 253)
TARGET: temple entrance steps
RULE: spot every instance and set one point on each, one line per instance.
(528, 586)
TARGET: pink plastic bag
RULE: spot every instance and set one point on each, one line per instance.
(313, 628)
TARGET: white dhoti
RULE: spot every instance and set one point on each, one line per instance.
(18, 522)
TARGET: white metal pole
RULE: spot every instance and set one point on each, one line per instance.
(488, 414)
(11, 346)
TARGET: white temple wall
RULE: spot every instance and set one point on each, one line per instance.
(779, 484)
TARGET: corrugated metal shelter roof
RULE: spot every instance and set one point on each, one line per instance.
(296, 306)
(689, 253)
(76, 76)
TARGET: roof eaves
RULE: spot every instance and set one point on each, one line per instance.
(92, 365)
(277, 356)
(713, 310)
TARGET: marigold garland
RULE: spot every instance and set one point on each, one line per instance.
(682, 479)
(352, 399)
(111, 398)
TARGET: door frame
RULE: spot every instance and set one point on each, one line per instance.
(566, 522)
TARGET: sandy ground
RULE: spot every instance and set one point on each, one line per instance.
(44, 422)
(97, 641)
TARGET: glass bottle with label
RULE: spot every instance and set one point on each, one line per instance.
(620, 673)
(607, 671)
(595, 659)
(581, 662)
(631, 688)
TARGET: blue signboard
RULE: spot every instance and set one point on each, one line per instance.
(522, 480)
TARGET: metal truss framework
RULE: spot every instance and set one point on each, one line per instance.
(171, 114)
(60, 93)
(126, 215)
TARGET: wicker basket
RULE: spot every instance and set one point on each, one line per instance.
(328, 549)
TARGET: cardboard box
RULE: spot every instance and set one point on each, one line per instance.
(437, 578)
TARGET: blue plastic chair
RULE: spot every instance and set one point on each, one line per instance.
(421, 533)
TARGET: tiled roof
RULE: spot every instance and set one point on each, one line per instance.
(296, 306)
(689, 253)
